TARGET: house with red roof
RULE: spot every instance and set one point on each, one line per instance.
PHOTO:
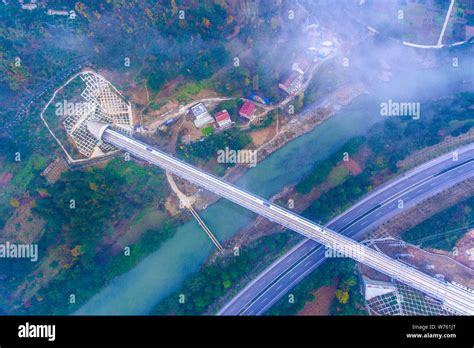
(247, 110)
(223, 119)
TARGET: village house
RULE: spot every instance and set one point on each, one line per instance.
(247, 110)
(201, 116)
(223, 119)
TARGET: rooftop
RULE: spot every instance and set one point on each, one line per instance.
(247, 110)
(223, 118)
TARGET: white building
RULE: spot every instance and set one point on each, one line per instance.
(202, 116)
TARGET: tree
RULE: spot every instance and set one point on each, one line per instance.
(227, 284)
(14, 203)
(156, 81)
(342, 296)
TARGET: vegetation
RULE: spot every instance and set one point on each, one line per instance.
(232, 106)
(322, 169)
(84, 279)
(443, 230)
(80, 203)
(81, 210)
(267, 121)
(206, 131)
(205, 150)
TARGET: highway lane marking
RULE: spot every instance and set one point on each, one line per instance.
(286, 260)
(344, 219)
(247, 296)
(251, 312)
(293, 275)
(274, 272)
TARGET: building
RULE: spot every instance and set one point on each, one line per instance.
(293, 83)
(201, 115)
(247, 110)
(301, 66)
(327, 43)
(223, 119)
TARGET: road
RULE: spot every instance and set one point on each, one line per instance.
(454, 297)
(376, 208)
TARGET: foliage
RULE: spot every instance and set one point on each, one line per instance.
(206, 131)
(322, 169)
(206, 149)
(84, 278)
(443, 229)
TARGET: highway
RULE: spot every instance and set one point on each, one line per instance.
(376, 208)
(454, 297)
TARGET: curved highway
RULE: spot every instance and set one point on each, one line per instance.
(378, 207)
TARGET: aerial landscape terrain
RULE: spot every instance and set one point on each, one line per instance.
(237, 157)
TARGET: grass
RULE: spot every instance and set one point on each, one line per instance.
(337, 176)
(185, 91)
(207, 131)
(147, 219)
(26, 171)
